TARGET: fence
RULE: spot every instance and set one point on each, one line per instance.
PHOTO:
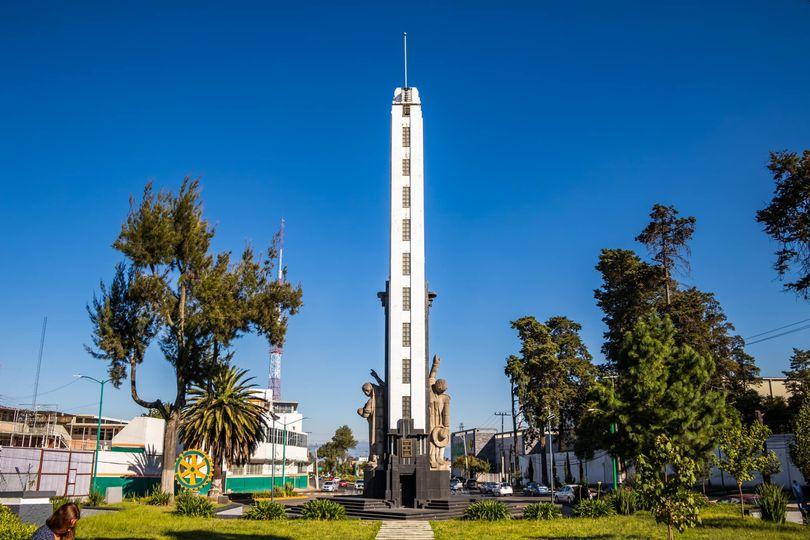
(66, 472)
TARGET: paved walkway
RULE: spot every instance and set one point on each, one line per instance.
(395, 530)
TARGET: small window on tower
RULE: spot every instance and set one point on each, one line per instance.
(406, 230)
(407, 95)
(406, 406)
(406, 196)
(406, 370)
(406, 298)
(406, 166)
(406, 110)
(406, 334)
(406, 264)
(406, 136)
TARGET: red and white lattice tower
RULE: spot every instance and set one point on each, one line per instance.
(276, 353)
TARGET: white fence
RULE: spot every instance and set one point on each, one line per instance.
(66, 472)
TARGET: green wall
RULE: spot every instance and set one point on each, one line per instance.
(140, 485)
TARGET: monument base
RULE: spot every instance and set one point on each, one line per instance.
(404, 478)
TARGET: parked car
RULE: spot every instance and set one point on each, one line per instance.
(330, 485)
(456, 485)
(486, 487)
(750, 499)
(502, 489)
(471, 484)
(359, 485)
(565, 495)
(343, 483)
(534, 489)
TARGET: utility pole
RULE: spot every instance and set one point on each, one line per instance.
(502, 414)
(514, 431)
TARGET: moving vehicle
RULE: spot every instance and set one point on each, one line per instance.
(343, 483)
(535, 489)
(456, 485)
(330, 485)
(565, 495)
(501, 489)
(471, 484)
(486, 487)
(359, 485)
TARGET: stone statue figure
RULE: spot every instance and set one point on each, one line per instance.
(374, 412)
(439, 416)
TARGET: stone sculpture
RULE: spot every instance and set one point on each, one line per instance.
(374, 412)
(439, 416)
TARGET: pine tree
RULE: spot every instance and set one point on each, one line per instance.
(662, 391)
(798, 377)
(800, 447)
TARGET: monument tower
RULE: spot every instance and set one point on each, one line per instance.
(408, 412)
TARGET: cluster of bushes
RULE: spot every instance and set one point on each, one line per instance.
(487, 510)
(265, 510)
(95, 498)
(11, 528)
(772, 503)
(594, 508)
(287, 491)
(157, 497)
(541, 511)
(188, 503)
(322, 509)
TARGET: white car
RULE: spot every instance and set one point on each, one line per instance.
(331, 485)
(456, 485)
(502, 489)
(358, 485)
(565, 495)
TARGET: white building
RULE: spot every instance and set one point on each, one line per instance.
(406, 332)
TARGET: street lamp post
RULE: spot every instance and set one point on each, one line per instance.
(612, 457)
(284, 450)
(98, 427)
(550, 456)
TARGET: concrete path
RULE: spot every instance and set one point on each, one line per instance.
(396, 530)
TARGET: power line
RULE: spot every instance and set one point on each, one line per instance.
(777, 329)
(779, 335)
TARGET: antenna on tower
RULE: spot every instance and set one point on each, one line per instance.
(405, 47)
(281, 252)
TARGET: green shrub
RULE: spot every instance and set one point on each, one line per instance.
(594, 508)
(57, 502)
(625, 501)
(278, 492)
(772, 503)
(487, 510)
(322, 509)
(701, 500)
(11, 528)
(189, 503)
(158, 497)
(289, 490)
(265, 510)
(541, 511)
(95, 498)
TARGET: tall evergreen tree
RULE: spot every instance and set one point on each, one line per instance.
(553, 373)
(798, 377)
(195, 303)
(787, 218)
(800, 447)
(666, 238)
(662, 391)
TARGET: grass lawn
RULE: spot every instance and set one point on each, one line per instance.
(139, 521)
(719, 522)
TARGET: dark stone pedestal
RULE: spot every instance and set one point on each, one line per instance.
(403, 477)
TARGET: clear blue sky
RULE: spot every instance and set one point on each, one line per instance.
(551, 129)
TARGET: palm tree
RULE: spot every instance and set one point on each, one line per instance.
(225, 419)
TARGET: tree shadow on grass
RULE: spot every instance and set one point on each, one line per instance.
(592, 536)
(202, 534)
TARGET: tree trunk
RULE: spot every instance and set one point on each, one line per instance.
(216, 483)
(669, 530)
(742, 504)
(169, 451)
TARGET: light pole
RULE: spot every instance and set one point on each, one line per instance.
(98, 426)
(284, 449)
(550, 456)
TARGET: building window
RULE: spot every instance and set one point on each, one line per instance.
(406, 110)
(406, 136)
(406, 230)
(406, 407)
(406, 196)
(406, 264)
(406, 370)
(406, 334)
(406, 298)
(407, 95)
(406, 166)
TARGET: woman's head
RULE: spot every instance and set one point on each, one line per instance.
(63, 521)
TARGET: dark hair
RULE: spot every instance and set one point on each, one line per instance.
(60, 520)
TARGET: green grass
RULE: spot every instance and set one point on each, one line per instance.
(719, 523)
(139, 521)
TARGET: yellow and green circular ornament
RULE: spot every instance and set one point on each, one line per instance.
(193, 469)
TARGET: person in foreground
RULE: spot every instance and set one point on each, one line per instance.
(61, 525)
